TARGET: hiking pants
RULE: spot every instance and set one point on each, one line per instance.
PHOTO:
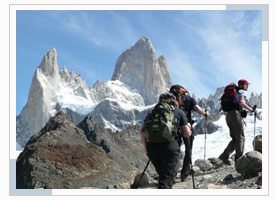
(165, 158)
(188, 153)
(235, 123)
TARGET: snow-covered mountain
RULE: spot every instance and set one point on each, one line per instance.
(112, 103)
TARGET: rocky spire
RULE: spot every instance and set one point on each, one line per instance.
(139, 68)
(49, 65)
(42, 93)
(64, 74)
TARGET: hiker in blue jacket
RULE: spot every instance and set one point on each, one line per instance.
(165, 156)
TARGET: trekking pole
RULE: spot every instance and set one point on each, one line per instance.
(191, 164)
(255, 115)
(137, 185)
(205, 141)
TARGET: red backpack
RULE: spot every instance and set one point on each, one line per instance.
(229, 99)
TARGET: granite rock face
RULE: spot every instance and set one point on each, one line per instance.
(139, 68)
(36, 112)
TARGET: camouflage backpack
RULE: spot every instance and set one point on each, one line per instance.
(161, 124)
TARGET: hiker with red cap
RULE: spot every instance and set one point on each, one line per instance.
(234, 118)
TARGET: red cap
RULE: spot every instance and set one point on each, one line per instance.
(243, 82)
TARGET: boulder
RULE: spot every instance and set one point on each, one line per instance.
(217, 163)
(258, 143)
(249, 164)
(144, 181)
(204, 165)
(196, 169)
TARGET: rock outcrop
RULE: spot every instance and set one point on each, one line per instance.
(58, 157)
(61, 156)
(122, 147)
(139, 68)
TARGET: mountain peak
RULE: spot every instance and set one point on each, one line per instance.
(144, 40)
(49, 66)
(139, 68)
(145, 44)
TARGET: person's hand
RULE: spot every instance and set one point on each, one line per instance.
(206, 113)
(254, 109)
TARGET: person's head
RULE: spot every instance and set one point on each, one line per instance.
(243, 84)
(177, 89)
(168, 98)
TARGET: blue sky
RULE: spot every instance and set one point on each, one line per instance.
(204, 49)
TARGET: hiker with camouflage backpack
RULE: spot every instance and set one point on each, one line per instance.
(232, 102)
(159, 135)
(187, 104)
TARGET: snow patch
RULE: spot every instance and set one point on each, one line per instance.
(67, 99)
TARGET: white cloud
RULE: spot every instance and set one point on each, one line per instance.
(218, 50)
(232, 53)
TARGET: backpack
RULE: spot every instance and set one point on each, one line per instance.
(229, 98)
(181, 94)
(161, 124)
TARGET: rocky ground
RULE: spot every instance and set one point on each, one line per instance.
(224, 177)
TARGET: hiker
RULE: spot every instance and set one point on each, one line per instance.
(187, 104)
(163, 149)
(234, 120)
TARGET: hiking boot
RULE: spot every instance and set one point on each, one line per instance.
(225, 160)
(185, 177)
